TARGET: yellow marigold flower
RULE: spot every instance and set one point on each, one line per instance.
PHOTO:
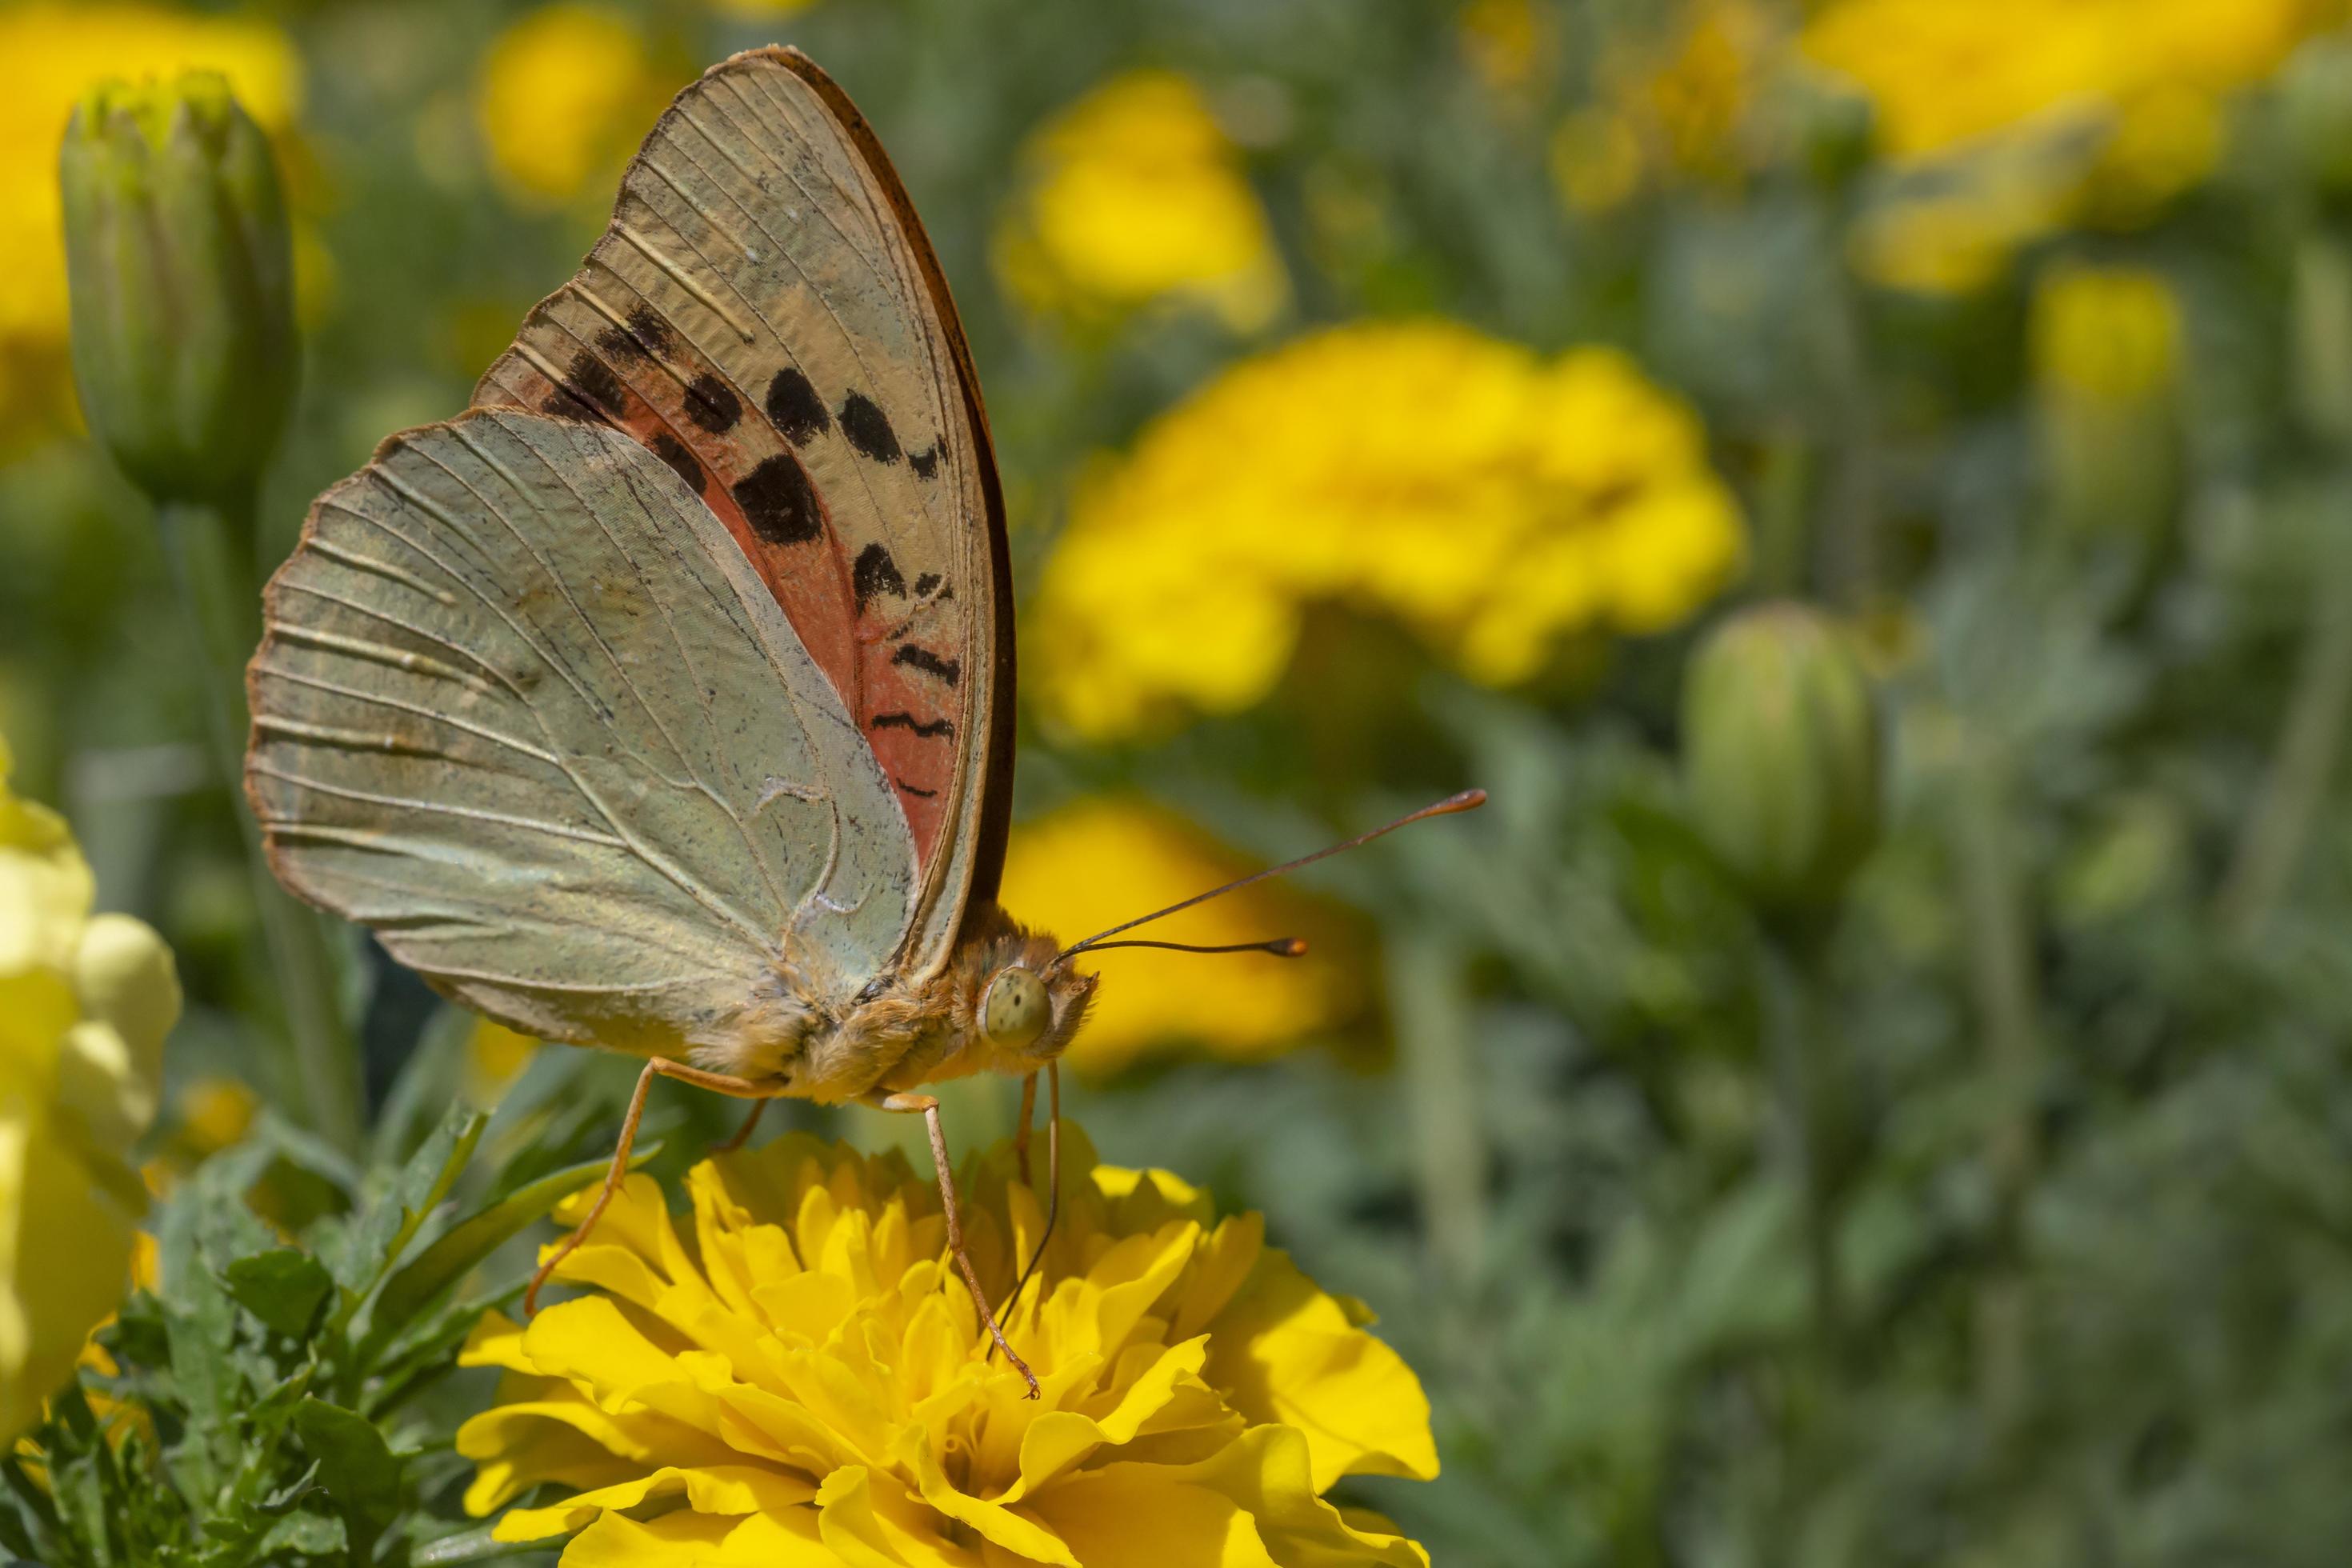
(85, 1003)
(1491, 501)
(1135, 195)
(1094, 864)
(2110, 106)
(562, 97)
(802, 1380)
(55, 52)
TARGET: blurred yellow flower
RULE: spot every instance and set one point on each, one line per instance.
(53, 53)
(1134, 195)
(562, 97)
(1094, 864)
(1493, 502)
(2106, 345)
(803, 1381)
(85, 1003)
(2025, 114)
(1676, 103)
(1506, 42)
(2106, 332)
(494, 1056)
(760, 9)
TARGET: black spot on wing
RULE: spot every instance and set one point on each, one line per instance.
(875, 572)
(673, 451)
(594, 382)
(925, 583)
(903, 787)
(779, 502)
(563, 403)
(932, 730)
(795, 408)
(923, 659)
(646, 325)
(712, 403)
(926, 462)
(868, 429)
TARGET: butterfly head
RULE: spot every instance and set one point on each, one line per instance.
(1019, 1008)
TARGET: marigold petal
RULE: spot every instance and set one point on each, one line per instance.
(994, 1521)
(714, 1490)
(1290, 1355)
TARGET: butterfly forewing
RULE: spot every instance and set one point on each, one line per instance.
(500, 715)
(765, 317)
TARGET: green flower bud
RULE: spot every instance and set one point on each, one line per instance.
(181, 273)
(1780, 754)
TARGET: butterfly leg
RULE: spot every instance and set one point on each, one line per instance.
(1053, 1184)
(931, 1112)
(740, 1088)
(1021, 1132)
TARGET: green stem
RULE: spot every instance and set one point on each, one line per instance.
(1441, 1072)
(215, 578)
(2001, 964)
(2279, 827)
(1805, 1069)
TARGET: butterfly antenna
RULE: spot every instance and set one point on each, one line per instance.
(1282, 947)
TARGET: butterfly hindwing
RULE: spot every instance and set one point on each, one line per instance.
(500, 716)
(764, 315)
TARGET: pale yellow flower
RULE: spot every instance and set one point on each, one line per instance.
(1095, 863)
(802, 1380)
(2022, 115)
(562, 97)
(85, 1003)
(1135, 197)
(54, 52)
(1494, 502)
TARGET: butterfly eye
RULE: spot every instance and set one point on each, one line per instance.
(1016, 1011)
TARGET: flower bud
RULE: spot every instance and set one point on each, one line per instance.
(2105, 345)
(1780, 754)
(181, 275)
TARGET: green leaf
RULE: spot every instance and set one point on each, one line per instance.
(383, 1231)
(283, 1286)
(446, 1261)
(355, 1467)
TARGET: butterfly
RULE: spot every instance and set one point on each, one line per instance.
(662, 701)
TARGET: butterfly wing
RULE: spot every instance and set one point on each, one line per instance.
(765, 315)
(504, 714)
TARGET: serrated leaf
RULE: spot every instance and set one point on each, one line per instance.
(383, 1231)
(355, 1467)
(306, 1535)
(284, 1288)
(452, 1255)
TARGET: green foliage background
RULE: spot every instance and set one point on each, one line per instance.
(2088, 1162)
